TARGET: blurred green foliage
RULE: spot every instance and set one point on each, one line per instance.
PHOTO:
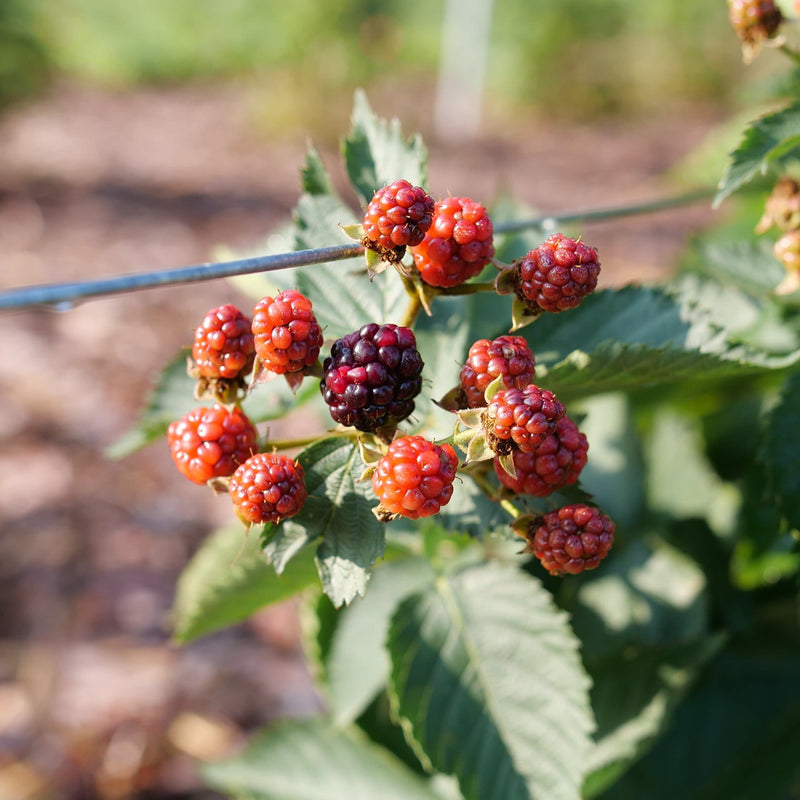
(570, 58)
(24, 61)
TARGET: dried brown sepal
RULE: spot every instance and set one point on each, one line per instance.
(782, 207)
(219, 485)
(383, 514)
(525, 526)
(392, 255)
(454, 400)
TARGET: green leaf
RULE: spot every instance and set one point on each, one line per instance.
(313, 176)
(360, 634)
(339, 511)
(227, 580)
(644, 595)
(314, 760)
(779, 452)
(487, 680)
(735, 735)
(376, 153)
(750, 265)
(173, 396)
(634, 694)
(768, 143)
(635, 338)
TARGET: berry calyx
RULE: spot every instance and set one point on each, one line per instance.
(397, 216)
(268, 487)
(222, 352)
(557, 462)
(415, 478)
(286, 333)
(458, 244)
(556, 275)
(782, 208)
(210, 443)
(507, 357)
(521, 419)
(372, 377)
(571, 539)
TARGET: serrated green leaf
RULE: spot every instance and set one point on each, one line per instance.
(339, 512)
(487, 678)
(227, 580)
(173, 396)
(376, 153)
(750, 265)
(770, 142)
(643, 596)
(735, 735)
(314, 760)
(636, 338)
(360, 634)
(779, 452)
(633, 695)
(313, 175)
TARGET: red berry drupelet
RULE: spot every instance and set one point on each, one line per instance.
(397, 216)
(287, 335)
(507, 356)
(268, 487)
(521, 419)
(557, 275)
(223, 344)
(211, 442)
(457, 246)
(571, 539)
(557, 462)
(372, 377)
(415, 478)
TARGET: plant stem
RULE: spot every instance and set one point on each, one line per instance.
(489, 491)
(468, 288)
(304, 441)
(414, 304)
(790, 53)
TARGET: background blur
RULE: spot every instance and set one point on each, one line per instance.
(137, 136)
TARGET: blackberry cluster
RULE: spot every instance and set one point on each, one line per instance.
(397, 216)
(571, 539)
(557, 274)
(521, 419)
(372, 377)
(458, 244)
(287, 335)
(223, 345)
(415, 477)
(507, 355)
(211, 442)
(268, 487)
(555, 463)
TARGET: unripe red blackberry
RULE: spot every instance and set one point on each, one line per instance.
(415, 477)
(521, 419)
(557, 462)
(211, 442)
(397, 216)
(372, 376)
(754, 20)
(507, 356)
(557, 274)
(286, 333)
(223, 344)
(458, 244)
(268, 487)
(571, 539)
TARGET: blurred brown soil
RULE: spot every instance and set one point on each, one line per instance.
(94, 700)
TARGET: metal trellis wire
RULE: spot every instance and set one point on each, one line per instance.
(63, 296)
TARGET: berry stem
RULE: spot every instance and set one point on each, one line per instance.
(414, 304)
(304, 441)
(486, 487)
(467, 288)
(790, 52)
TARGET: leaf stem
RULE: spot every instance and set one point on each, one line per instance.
(491, 493)
(304, 441)
(790, 52)
(414, 303)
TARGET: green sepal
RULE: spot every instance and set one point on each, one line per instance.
(354, 231)
(493, 388)
(507, 463)
(521, 314)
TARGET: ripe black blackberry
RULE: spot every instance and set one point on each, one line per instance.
(372, 377)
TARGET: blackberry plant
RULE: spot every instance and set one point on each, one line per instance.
(583, 587)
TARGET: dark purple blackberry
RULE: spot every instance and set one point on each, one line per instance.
(372, 377)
